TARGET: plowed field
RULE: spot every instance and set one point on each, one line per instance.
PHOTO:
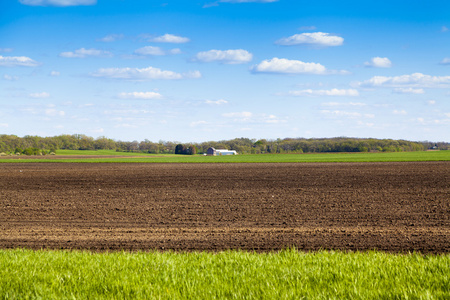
(397, 207)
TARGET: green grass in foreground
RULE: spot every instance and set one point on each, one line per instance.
(225, 275)
(252, 158)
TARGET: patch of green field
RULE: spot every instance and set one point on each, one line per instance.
(287, 274)
(106, 153)
(255, 158)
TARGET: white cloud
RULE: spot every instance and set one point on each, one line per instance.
(125, 125)
(366, 124)
(444, 29)
(431, 102)
(399, 112)
(55, 73)
(148, 73)
(271, 119)
(248, 117)
(83, 53)
(332, 92)
(170, 38)
(51, 112)
(127, 112)
(437, 122)
(286, 66)
(414, 80)
(10, 77)
(86, 105)
(282, 65)
(344, 104)
(140, 95)
(378, 62)
(408, 91)
(4, 125)
(217, 102)
(175, 51)
(58, 2)
(238, 56)
(340, 113)
(307, 28)
(197, 123)
(150, 50)
(445, 61)
(6, 49)
(30, 110)
(22, 61)
(244, 114)
(157, 51)
(111, 38)
(322, 39)
(40, 95)
(346, 114)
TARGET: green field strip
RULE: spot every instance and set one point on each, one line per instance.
(252, 158)
(107, 153)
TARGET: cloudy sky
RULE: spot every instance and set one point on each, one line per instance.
(204, 70)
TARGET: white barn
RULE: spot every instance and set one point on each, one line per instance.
(214, 152)
(225, 152)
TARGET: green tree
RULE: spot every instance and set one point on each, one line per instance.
(180, 149)
(192, 150)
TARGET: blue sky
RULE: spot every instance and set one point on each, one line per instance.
(194, 71)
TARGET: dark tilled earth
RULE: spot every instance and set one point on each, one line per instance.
(394, 207)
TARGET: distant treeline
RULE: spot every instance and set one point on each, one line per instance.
(12, 144)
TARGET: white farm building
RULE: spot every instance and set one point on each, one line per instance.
(212, 151)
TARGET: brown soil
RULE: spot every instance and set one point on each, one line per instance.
(396, 207)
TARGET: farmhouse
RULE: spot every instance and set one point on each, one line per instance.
(212, 151)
